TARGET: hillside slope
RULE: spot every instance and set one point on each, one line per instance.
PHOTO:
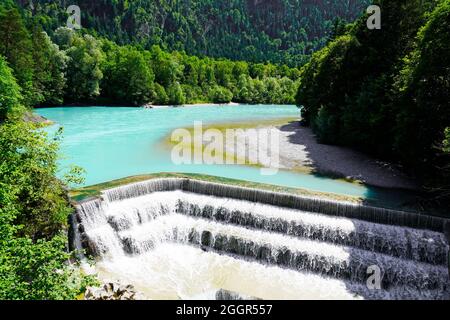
(279, 31)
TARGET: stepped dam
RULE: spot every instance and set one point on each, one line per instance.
(187, 239)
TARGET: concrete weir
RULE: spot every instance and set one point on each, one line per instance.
(325, 246)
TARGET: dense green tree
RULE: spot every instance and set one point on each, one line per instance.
(224, 73)
(288, 89)
(194, 94)
(28, 166)
(358, 69)
(159, 95)
(446, 143)
(243, 90)
(325, 71)
(166, 67)
(424, 84)
(386, 91)
(49, 67)
(176, 94)
(83, 69)
(33, 203)
(191, 71)
(16, 47)
(128, 77)
(10, 96)
(33, 211)
(220, 94)
(240, 68)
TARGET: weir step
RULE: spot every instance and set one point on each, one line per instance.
(299, 254)
(331, 240)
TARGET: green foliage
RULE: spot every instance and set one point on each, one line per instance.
(424, 84)
(166, 66)
(160, 95)
(16, 47)
(10, 96)
(386, 91)
(325, 71)
(220, 94)
(446, 143)
(176, 94)
(33, 203)
(28, 168)
(83, 71)
(358, 71)
(282, 31)
(49, 66)
(37, 63)
(39, 270)
(324, 125)
(128, 77)
(82, 68)
(33, 213)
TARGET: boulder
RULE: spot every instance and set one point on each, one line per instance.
(112, 291)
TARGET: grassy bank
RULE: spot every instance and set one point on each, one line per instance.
(95, 190)
(388, 198)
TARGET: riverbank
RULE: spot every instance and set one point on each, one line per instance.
(147, 106)
(387, 198)
(300, 151)
(299, 147)
(81, 194)
(155, 106)
(33, 117)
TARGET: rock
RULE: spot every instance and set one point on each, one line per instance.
(119, 224)
(35, 118)
(447, 230)
(447, 235)
(206, 238)
(223, 294)
(112, 291)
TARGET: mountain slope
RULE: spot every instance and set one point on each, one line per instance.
(279, 31)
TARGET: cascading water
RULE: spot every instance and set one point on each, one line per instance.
(180, 238)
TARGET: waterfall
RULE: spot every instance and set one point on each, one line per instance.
(419, 245)
(309, 204)
(157, 227)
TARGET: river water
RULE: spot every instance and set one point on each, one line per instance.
(116, 142)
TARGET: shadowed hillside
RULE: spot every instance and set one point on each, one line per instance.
(280, 31)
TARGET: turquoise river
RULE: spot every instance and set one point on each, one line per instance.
(116, 142)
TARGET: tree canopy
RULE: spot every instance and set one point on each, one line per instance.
(70, 66)
(282, 31)
(386, 91)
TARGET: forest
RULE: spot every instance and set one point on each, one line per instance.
(68, 66)
(387, 91)
(281, 31)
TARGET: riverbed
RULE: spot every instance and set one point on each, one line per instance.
(116, 142)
